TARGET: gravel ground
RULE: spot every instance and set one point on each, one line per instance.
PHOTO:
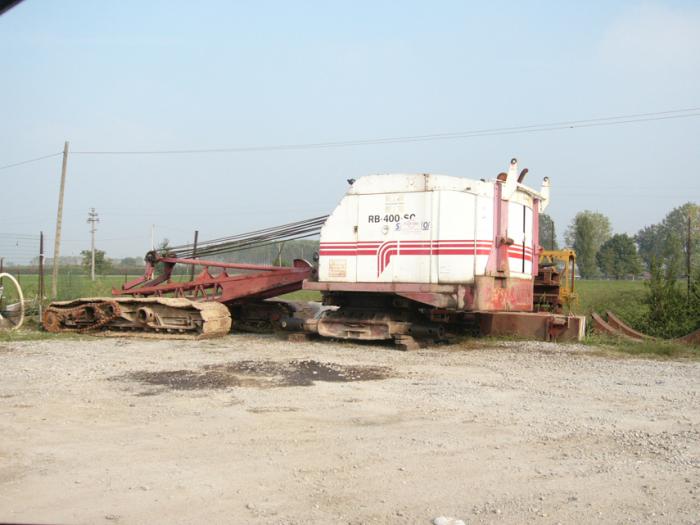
(252, 429)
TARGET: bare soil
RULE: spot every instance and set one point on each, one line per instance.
(253, 429)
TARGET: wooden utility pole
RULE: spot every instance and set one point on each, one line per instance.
(688, 245)
(92, 220)
(59, 220)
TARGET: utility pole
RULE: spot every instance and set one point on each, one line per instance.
(41, 274)
(688, 245)
(153, 236)
(92, 220)
(59, 220)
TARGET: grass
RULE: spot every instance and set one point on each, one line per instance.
(302, 295)
(30, 332)
(70, 286)
(624, 298)
(652, 348)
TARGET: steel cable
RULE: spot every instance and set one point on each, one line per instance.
(255, 239)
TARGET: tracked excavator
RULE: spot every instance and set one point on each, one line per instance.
(402, 256)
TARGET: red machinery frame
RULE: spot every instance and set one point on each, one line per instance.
(261, 281)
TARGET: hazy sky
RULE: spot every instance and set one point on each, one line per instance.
(135, 75)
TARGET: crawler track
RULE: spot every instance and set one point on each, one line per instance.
(159, 317)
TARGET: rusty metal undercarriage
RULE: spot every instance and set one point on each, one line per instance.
(385, 317)
(198, 308)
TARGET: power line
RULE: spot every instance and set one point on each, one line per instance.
(30, 160)
(531, 128)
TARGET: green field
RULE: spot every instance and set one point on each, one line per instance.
(70, 286)
(74, 285)
(624, 298)
(303, 295)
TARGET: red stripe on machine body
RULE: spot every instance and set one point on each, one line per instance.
(384, 251)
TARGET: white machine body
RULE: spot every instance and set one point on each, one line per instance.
(431, 229)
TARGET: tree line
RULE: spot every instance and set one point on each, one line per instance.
(667, 252)
(673, 244)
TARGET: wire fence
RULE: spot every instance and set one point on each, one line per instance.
(16, 248)
(19, 248)
(21, 255)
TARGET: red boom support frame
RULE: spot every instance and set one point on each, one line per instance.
(263, 282)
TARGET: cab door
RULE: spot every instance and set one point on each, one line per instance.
(520, 232)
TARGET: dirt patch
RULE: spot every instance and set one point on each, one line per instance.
(304, 373)
(182, 379)
(257, 374)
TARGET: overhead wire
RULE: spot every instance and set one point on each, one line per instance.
(530, 128)
(6, 166)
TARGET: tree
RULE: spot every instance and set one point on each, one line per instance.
(650, 242)
(694, 302)
(668, 248)
(131, 261)
(675, 230)
(667, 242)
(547, 233)
(618, 257)
(163, 250)
(586, 234)
(102, 264)
(671, 313)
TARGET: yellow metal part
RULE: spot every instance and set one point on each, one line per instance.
(565, 260)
